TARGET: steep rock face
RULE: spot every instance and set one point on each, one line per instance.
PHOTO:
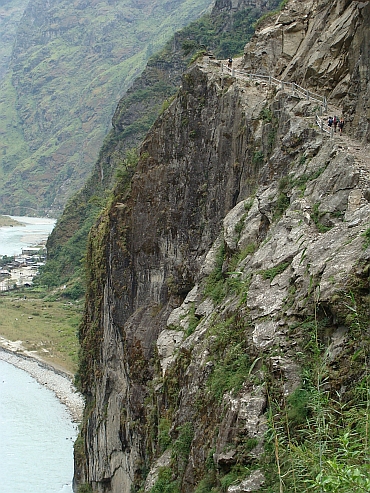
(139, 108)
(238, 245)
(141, 105)
(188, 178)
(334, 62)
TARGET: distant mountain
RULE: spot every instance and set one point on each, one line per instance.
(71, 62)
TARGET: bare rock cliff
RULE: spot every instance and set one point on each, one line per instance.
(232, 264)
(320, 44)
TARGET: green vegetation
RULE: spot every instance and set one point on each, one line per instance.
(231, 360)
(166, 482)
(239, 226)
(258, 157)
(280, 5)
(274, 271)
(303, 179)
(366, 235)
(286, 184)
(266, 115)
(4, 260)
(193, 321)
(90, 330)
(282, 205)
(215, 288)
(317, 216)
(182, 445)
(220, 283)
(164, 438)
(321, 441)
(85, 488)
(225, 36)
(230, 373)
(66, 247)
(44, 324)
(236, 474)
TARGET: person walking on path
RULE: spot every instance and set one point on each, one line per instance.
(341, 125)
(335, 123)
(330, 121)
(230, 62)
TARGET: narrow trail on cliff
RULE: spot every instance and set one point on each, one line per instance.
(340, 141)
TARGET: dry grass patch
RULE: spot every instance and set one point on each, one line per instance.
(8, 221)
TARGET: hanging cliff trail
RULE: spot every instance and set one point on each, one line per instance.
(343, 142)
(238, 243)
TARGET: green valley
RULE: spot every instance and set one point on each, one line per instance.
(71, 63)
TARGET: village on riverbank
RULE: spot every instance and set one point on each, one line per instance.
(19, 271)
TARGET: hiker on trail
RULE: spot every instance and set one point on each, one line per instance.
(230, 62)
(335, 123)
(330, 121)
(341, 125)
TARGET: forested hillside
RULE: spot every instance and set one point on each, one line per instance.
(70, 64)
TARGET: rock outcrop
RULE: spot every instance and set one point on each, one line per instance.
(322, 45)
(237, 255)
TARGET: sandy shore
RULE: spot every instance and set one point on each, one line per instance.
(52, 378)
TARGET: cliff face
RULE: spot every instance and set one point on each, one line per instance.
(323, 45)
(221, 31)
(229, 278)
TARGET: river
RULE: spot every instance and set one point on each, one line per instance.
(32, 232)
(36, 436)
(36, 430)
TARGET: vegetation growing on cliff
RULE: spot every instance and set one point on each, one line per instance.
(256, 370)
(319, 435)
(317, 438)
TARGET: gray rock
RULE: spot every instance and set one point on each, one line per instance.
(252, 483)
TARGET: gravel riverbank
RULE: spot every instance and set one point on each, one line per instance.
(52, 378)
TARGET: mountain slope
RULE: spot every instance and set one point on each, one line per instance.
(223, 30)
(71, 63)
(11, 12)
